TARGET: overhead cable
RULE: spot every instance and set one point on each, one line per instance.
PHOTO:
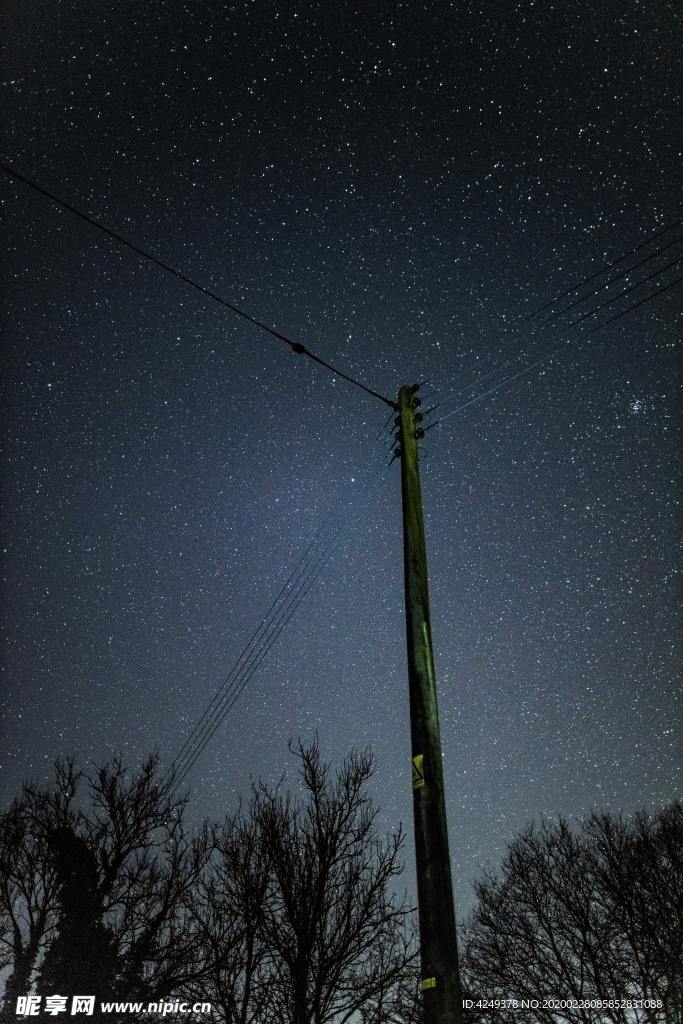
(550, 355)
(295, 346)
(617, 277)
(604, 269)
(183, 767)
(635, 305)
(611, 301)
(497, 367)
(490, 391)
(282, 609)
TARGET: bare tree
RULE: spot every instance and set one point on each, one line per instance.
(148, 867)
(28, 880)
(335, 930)
(593, 914)
(285, 915)
(227, 908)
(400, 1000)
(102, 875)
(297, 918)
(638, 870)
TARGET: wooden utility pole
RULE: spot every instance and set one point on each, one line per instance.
(441, 993)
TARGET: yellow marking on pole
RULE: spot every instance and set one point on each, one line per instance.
(427, 983)
(417, 764)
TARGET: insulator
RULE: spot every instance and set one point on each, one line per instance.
(419, 432)
(416, 402)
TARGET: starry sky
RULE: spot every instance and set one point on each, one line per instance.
(396, 185)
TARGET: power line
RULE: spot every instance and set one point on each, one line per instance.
(285, 605)
(496, 368)
(252, 655)
(635, 305)
(603, 270)
(490, 391)
(610, 302)
(295, 346)
(511, 359)
(550, 355)
(228, 701)
(319, 539)
(180, 771)
(617, 277)
(237, 667)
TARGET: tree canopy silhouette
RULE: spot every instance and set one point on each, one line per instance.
(593, 914)
(94, 884)
(285, 914)
(288, 912)
(298, 915)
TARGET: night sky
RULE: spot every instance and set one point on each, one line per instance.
(396, 185)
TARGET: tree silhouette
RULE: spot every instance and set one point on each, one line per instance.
(94, 886)
(593, 914)
(227, 908)
(335, 928)
(284, 915)
(82, 957)
(28, 879)
(298, 915)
